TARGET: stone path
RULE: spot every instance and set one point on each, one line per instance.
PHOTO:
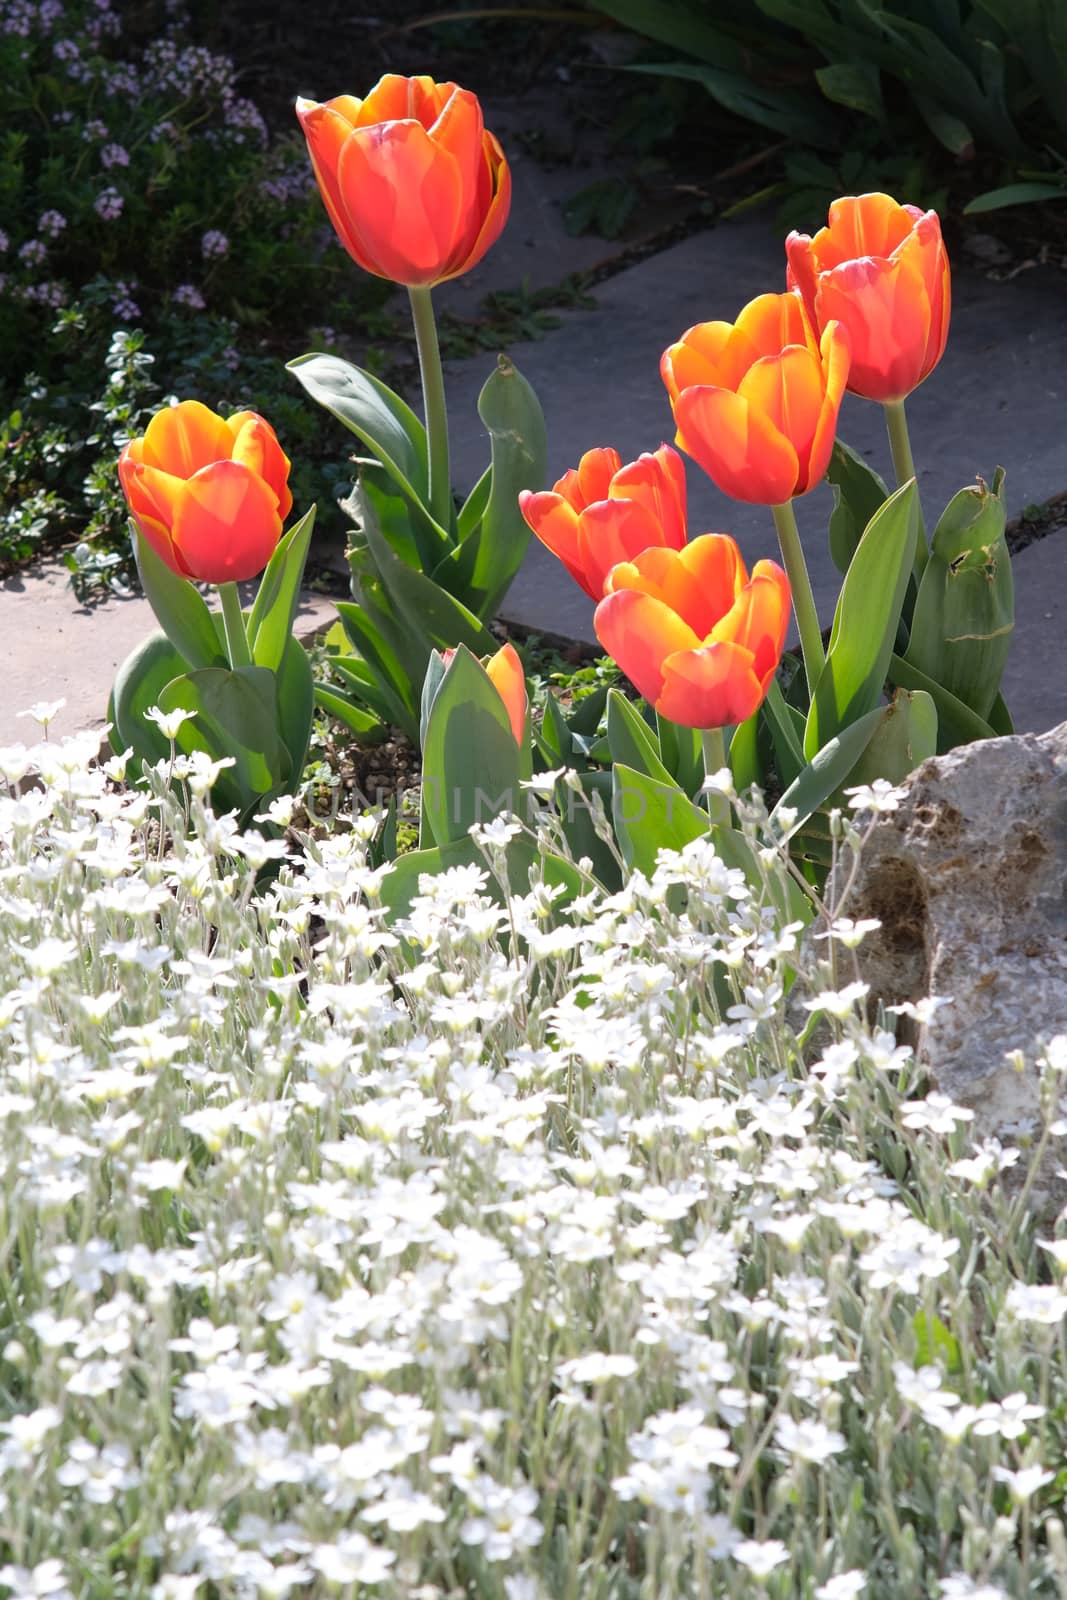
(998, 397)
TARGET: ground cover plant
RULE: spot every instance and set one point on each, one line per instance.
(490, 1252)
(152, 236)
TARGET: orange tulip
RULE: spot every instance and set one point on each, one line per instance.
(509, 681)
(698, 637)
(415, 186)
(756, 401)
(209, 494)
(605, 513)
(881, 270)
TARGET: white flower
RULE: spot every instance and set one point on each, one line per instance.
(44, 712)
(960, 1587)
(1025, 1482)
(505, 1522)
(169, 723)
(937, 1114)
(808, 1440)
(760, 1557)
(1007, 1417)
(1042, 1303)
(843, 1586)
(597, 1368)
(46, 1581)
(878, 797)
(352, 1560)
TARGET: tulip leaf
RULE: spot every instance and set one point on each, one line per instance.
(1000, 719)
(413, 534)
(866, 619)
(856, 85)
(482, 567)
(179, 608)
(905, 737)
(234, 714)
(786, 725)
(295, 690)
(270, 622)
(827, 771)
(650, 816)
(380, 678)
(472, 510)
(631, 740)
(682, 753)
(1014, 194)
(139, 684)
(361, 723)
(788, 111)
(471, 766)
(745, 763)
(375, 414)
(858, 492)
(956, 723)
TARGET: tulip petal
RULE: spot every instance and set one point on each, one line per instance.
(184, 438)
(327, 129)
(151, 496)
(695, 358)
(787, 388)
(835, 350)
(656, 480)
(886, 309)
(737, 446)
(226, 523)
(610, 531)
(765, 327)
(555, 522)
(862, 225)
(759, 619)
(495, 181)
(509, 680)
(401, 197)
(256, 445)
(638, 632)
(698, 583)
(596, 470)
(712, 687)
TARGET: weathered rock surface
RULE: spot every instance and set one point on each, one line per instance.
(969, 881)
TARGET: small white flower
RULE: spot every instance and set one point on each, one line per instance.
(878, 797)
(1024, 1483)
(44, 712)
(169, 723)
(760, 1556)
(843, 1586)
(1042, 1303)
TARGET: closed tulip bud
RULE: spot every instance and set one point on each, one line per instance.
(965, 611)
(698, 637)
(415, 186)
(508, 679)
(880, 270)
(604, 512)
(208, 494)
(756, 401)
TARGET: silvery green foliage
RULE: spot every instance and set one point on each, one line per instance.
(497, 1253)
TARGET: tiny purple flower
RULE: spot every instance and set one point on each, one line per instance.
(51, 223)
(115, 155)
(214, 244)
(187, 294)
(33, 252)
(95, 129)
(108, 204)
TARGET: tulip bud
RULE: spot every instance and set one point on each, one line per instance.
(965, 612)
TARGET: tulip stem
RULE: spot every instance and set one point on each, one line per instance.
(904, 466)
(803, 600)
(714, 760)
(433, 400)
(234, 623)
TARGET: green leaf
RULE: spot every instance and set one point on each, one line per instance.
(295, 690)
(481, 570)
(234, 714)
(956, 722)
(866, 619)
(374, 414)
(631, 740)
(786, 726)
(682, 753)
(270, 623)
(471, 765)
(858, 493)
(381, 679)
(650, 816)
(401, 885)
(853, 84)
(745, 763)
(1014, 194)
(413, 534)
(935, 1344)
(905, 737)
(343, 710)
(472, 510)
(179, 608)
(827, 771)
(784, 110)
(965, 611)
(139, 683)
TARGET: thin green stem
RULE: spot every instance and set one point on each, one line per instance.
(714, 747)
(803, 600)
(904, 467)
(433, 400)
(234, 623)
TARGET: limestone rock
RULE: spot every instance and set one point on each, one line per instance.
(969, 881)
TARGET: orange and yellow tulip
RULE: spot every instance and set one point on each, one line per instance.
(415, 186)
(698, 637)
(208, 494)
(881, 270)
(605, 513)
(509, 681)
(756, 401)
